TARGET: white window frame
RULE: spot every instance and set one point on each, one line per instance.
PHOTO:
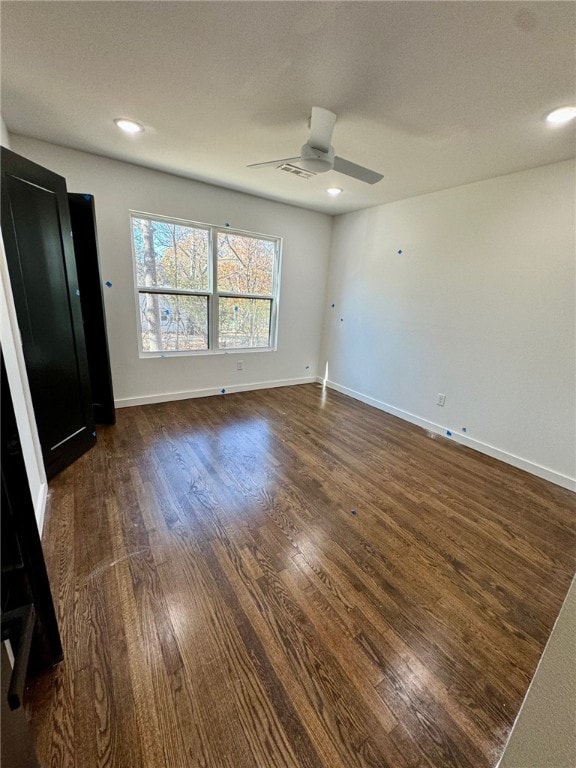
(212, 294)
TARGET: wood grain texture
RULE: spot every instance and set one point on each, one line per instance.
(222, 607)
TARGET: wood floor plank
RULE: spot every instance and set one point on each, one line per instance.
(259, 706)
(55, 732)
(335, 739)
(289, 578)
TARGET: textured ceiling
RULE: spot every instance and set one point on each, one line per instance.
(431, 94)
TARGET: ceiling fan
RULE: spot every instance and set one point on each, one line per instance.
(318, 156)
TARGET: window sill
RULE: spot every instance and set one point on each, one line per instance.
(205, 352)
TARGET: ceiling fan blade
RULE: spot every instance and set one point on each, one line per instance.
(322, 124)
(274, 163)
(356, 171)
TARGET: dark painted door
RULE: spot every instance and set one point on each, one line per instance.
(24, 575)
(40, 255)
(83, 218)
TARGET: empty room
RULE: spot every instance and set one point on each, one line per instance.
(288, 384)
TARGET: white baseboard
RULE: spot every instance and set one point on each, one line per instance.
(40, 506)
(166, 397)
(459, 437)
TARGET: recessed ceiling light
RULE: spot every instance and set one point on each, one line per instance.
(128, 126)
(334, 191)
(561, 115)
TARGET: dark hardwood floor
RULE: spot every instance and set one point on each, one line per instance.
(292, 578)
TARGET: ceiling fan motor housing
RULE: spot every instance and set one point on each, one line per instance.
(312, 159)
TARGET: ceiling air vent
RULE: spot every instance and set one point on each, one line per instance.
(296, 171)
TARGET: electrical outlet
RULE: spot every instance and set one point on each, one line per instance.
(441, 399)
(239, 365)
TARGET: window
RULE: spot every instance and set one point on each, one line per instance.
(202, 288)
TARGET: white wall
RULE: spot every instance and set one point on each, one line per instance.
(119, 187)
(4, 137)
(18, 382)
(480, 306)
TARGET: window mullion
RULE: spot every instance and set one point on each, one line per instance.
(214, 318)
(276, 289)
(230, 295)
(171, 291)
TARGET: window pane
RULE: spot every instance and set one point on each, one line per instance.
(244, 323)
(245, 264)
(173, 322)
(171, 255)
